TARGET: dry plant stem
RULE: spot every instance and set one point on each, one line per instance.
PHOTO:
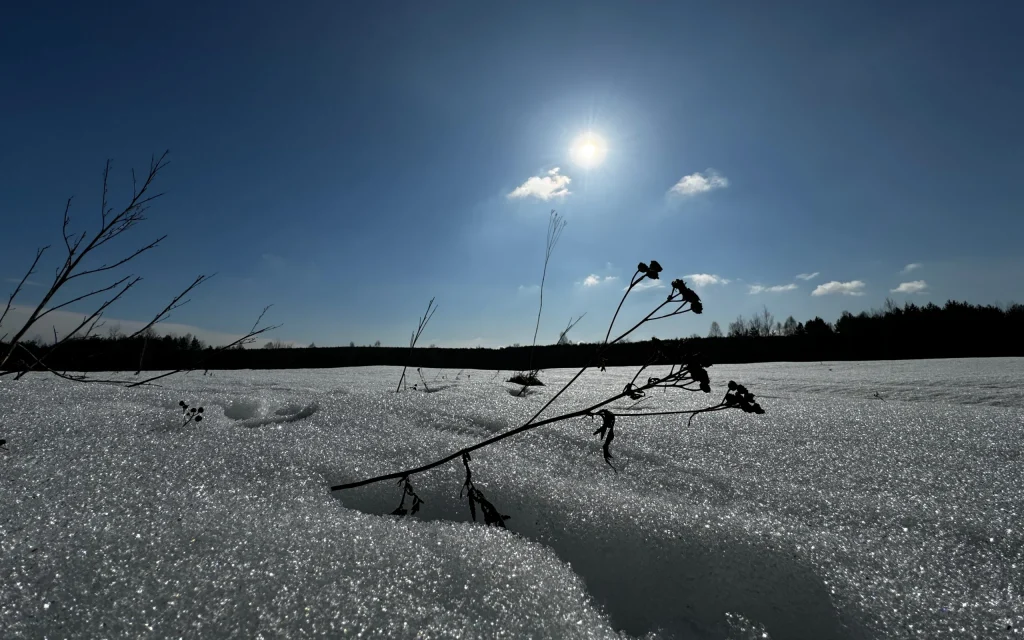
(532, 423)
(565, 332)
(581, 413)
(415, 338)
(555, 226)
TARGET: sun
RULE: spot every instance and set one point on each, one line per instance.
(588, 150)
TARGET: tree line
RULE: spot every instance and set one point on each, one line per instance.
(955, 330)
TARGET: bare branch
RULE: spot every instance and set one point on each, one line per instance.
(83, 297)
(91, 318)
(105, 267)
(67, 220)
(24, 279)
(174, 304)
(246, 339)
(79, 247)
(106, 183)
(95, 314)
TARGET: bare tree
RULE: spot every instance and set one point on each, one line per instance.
(715, 331)
(738, 327)
(761, 324)
(768, 321)
(79, 248)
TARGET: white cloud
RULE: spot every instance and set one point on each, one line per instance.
(546, 187)
(913, 266)
(917, 286)
(705, 279)
(647, 283)
(699, 183)
(593, 280)
(529, 288)
(28, 283)
(852, 288)
(779, 288)
(808, 276)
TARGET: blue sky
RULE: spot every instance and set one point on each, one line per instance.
(348, 161)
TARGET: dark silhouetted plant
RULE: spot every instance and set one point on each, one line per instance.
(407, 492)
(190, 415)
(563, 338)
(556, 224)
(431, 308)
(79, 247)
(687, 373)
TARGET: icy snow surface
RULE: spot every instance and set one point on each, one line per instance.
(835, 515)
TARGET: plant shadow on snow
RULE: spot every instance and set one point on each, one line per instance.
(683, 582)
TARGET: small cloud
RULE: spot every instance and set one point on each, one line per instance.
(779, 288)
(28, 283)
(705, 279)
(647, 284)
(546, 187)
(917, 286)
(808, 276)
(852, 288)
(529, 288)
(696, 183)
(913, 266)
(593, 280)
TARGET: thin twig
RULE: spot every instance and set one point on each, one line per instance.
(24, 279)
(555, 226)
(415, 338)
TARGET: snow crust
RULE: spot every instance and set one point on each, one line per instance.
(838, 514)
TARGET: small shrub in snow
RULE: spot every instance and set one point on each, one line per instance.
(190, 415)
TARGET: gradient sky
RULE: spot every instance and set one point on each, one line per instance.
(348, 161)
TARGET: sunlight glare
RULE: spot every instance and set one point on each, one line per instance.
(588, 150)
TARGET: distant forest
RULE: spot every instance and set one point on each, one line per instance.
(955, 330)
